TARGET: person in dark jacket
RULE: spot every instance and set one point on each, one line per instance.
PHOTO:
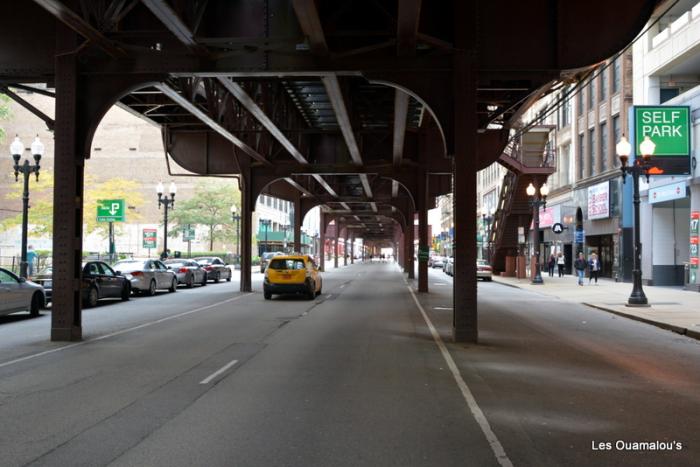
(593, 268)
(551, 264)
(580, 267)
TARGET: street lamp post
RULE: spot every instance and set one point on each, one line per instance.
(638, 168)
(266, 224)
(235, 217)
(26, 169)
(168, 202)
(535, 203)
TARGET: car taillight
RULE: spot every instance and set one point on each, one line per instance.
(183, 270)
(208, 268)
(137, 273)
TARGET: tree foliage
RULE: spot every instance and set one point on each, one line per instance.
(41, 203)
(4, 114)
(210, 207)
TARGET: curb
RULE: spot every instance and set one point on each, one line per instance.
(668, 327)
(508, 285)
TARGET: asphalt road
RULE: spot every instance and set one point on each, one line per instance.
(213, 377)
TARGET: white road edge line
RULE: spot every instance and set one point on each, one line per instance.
(479, 416)
(123, 331)
(218, 372)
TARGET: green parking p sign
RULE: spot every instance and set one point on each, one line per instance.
(111, 210)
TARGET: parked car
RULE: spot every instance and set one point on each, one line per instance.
(45, 279)
(449, 266)
(266, 257)
(101, 281)
(188, 272)
(147, 275)
(215, 267)
(438, 262)
(292, 274)
(19, 294)
(484, 270)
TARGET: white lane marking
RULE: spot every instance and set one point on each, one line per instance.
(328, 296)
(342, 286)
(479, 416)
(218, 372)
(442, 308)
(123, 331)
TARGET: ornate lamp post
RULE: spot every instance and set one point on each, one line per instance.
(26, 169)
(639, 167)
(535, 203)
(168, 202)
(235, 217)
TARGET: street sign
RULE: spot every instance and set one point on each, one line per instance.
(579, 236)
(423, 254)
(188, 234)
(558, 228)
(669, 128)
(111, 210)
(150, 238)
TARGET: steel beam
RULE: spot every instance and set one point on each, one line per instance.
(210, 122)
(407, 26)
(335, 94)
(400, 114)
(298, 186)
(250, 105)
(365, 185)
(325, 185)
(310, 23)
(50, 123)
(82, 27)
(166, 15)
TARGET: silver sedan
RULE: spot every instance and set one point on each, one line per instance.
(18, 294)
(188, 272)
(147, 275)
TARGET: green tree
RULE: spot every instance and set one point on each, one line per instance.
(209, 207)
(4, 114)
(41, 202)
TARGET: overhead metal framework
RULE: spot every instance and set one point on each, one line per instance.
(370, 109)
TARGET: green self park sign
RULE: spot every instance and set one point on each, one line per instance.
(669, 128)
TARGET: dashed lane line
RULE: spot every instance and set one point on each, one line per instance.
(117, 333)
(476, 411)
(208, 379)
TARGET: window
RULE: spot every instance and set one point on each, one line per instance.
(616, 75)
(566, 111)
(604, 162)
(563, 168)
(604, 84)
(667, 94)
(579, 99)
(591, 95)
(591, 152)
(7, 278)
(616, 137)
(105, 270)
(580, 156)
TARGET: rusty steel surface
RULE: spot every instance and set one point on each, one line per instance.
(358, 107)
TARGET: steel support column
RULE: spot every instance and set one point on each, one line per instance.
(345, 248)
(297, 225)
(246, 238)
(352, 249)
(335, 244)
(322, 240)
(69, 166)
(410, 266)
(464, 327)
(423, 241)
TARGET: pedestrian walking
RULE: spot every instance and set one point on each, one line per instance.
(561, 264)
(580, 267)
(31, 259)
(593, 268)
(550, 264)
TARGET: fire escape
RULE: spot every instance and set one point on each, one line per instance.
(529, 158)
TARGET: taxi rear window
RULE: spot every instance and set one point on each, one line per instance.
(287, 264)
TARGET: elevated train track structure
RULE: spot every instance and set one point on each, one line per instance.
(370, 108)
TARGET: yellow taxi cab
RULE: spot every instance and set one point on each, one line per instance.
(292, 274)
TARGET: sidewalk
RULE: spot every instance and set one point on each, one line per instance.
(671, 308)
